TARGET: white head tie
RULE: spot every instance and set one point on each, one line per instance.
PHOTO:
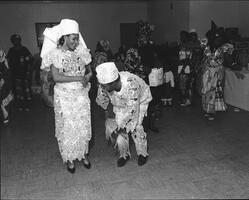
(52, 35)
(107, 72)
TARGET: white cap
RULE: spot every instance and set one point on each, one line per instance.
(107, 72)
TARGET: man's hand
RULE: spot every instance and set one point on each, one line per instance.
(109, 111)
(84, 81)
(117, 132)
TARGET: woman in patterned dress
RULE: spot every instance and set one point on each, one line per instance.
(65, 53)
(213, 74)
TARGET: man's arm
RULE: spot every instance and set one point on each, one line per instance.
(102, 98)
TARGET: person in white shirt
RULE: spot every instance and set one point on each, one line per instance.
(127, 96)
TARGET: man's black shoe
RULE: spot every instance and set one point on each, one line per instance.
(141, 160)
(122, 161)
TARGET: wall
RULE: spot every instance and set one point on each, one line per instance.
(169, 17)
(226, 13)
(97, 19)
(243, 18)
(101, 19)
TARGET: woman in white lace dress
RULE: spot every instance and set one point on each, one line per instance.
(64, 53)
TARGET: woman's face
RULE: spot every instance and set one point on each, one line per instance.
(72, 41)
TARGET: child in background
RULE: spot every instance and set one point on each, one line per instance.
(168, 85)
(156, 82)
(184, 77)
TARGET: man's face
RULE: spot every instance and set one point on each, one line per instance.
(110, 87)
(16, 42)
(114, 86)
(72, 41)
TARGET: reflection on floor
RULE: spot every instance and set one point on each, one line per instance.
(189, 158)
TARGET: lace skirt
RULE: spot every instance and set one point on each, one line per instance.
(72, 121)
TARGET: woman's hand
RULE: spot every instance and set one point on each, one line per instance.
(109, 111)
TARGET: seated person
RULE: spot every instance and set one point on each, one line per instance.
(230, 61)
(230, 58)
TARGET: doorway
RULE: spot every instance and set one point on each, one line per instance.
(128, 34)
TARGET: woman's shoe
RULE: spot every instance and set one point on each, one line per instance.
(122, 161)
(70, 167)
(86, 163)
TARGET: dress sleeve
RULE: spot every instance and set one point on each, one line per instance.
(85, 54)
(49, 59)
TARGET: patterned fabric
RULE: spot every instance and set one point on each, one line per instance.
(47, 88)
(71, 104)
(6, 95)
(130, 106)
(132, 63)
(185, 74)
(144, 32)
(212, 77)
(99, 58)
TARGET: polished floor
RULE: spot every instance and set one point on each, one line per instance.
(190, 158)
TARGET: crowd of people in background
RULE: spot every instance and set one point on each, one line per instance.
(16, 78)
(174, 74)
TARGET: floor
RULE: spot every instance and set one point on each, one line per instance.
(190, 158)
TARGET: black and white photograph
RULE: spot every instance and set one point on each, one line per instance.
(124, 99)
